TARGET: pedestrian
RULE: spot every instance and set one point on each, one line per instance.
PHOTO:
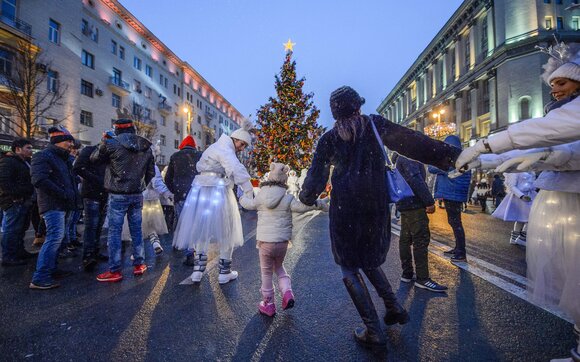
(360, 224)
(167, 204)
(274, 233)
(73, 235)
(453, 192)
(153, 219)
(517, 204)
(130, 167)
(16, 193)
(181, 171)
(497, 190)
(293, 183)
(482, 191)
(95, 199)
(415, 226)
(57, 195)
(210, 212)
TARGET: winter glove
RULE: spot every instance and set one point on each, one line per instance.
(323, 204)
(537, 161)
(470, 154)
(526, 198)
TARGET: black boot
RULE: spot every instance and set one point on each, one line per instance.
(372, 335)
(395, 312)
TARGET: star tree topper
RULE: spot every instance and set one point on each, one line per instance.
(289, 45)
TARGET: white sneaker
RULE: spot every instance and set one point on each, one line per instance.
(157, 247)
(132, 257)
(225, 278)
(520, 242)
(196, 276)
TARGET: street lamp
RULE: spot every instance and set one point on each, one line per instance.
(439, 129)
(187, 111)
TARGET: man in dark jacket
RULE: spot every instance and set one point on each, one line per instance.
(415, 226)
(453, 191)
(94, 201)
(180, 174)
(16, 192)
(130, 167)
(57, 195)
(497, 190)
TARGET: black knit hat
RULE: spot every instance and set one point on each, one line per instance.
(123, 125)
(344, 102)
(59, 134)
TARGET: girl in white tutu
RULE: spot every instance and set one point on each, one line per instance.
(210, 212)
(517, 204)
(153, 219)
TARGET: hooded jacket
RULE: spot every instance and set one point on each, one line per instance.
(453, 189)
(275, 209)
(92, 173)
(15, 181)
(414, 173)
(130, 163)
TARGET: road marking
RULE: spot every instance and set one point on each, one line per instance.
(481, 269)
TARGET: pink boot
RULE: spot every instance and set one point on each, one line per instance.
(288, 300)
(267, 308)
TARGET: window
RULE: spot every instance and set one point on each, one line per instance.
(162, 140)
(9, 9)
(559, 23)
(199, 119)
(137, 109)
(147, 92)
(85, 27)
(53, 31)
(146, 113)
(484, 37)
(467, 52)
(179, 91)
(163, 120)
(174, 89)
(136, 86)
(149, 71)
(86, 88)
(116, 101)
(114, 47)
(548, 22)
(6, 61)
(87, 118)
(122, 52)
(575, 23)
(176, 144)
(559, 2)
(177, 127)
(117, 76)
(137, 63)
(95, 34)
(467, 105)
(88, 59)
(484, 98)
(524, 108)
(547, 1)
(165, 82)
(52, 81)
(161, 79)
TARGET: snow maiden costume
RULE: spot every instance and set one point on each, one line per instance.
(517, 204)
(210, 212)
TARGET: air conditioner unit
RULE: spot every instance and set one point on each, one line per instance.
(99, 92)
(41, 67)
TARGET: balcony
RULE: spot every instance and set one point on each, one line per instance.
(209, 116)
(118, 85)
(17, 24)
(165, 109)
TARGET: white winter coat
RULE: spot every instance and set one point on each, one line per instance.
(557, 127)
(221, 158)
(275, 209)
(520, 183)
(156, 187)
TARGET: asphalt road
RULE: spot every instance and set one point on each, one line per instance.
(155, 318)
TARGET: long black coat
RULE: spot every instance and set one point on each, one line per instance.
(92, 173)
(181, 171)
(15, 181)
(55, 181)
(360, 225)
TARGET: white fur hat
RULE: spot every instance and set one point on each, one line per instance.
(243, 133)
(566, 70)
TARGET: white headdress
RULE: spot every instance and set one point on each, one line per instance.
(563, 62)
(243, 133)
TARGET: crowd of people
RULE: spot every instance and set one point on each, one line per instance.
(121, 185)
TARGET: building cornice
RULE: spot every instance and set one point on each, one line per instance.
(142, 30)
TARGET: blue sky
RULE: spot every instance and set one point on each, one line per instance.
(237, 45)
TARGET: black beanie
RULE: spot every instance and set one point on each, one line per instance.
(344, 102)
(59, 134)
(124, 125)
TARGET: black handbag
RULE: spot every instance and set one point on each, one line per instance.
(397, 188)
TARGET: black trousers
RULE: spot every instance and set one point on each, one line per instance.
(453, 209)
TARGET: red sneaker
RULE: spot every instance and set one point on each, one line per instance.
(110, 277)
(288, 300)
(139, 269)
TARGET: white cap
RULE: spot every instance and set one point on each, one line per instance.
(566, 70)
(242, 135)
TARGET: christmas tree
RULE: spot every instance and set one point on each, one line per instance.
(286, 129)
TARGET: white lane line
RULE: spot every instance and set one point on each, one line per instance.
(214, 261)
(473, 267)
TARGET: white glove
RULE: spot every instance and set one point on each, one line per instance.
(523, 163)
(323, 204)
(470, 153)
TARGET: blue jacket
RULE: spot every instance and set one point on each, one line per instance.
(414, 173)
(456, 189)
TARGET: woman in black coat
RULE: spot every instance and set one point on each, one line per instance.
(360, 227)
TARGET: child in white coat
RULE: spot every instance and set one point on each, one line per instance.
(275, 207)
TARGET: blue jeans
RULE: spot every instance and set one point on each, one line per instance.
(56, 224)
(119, 206)
(15, 222)
(72, 229)
(95, 212)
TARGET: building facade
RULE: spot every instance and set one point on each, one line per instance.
(103, 58)
(481, 72)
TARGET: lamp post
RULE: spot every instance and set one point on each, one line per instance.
(440, 128)
(187, 111)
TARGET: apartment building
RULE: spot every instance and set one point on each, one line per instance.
(481, 72)
(103, 59)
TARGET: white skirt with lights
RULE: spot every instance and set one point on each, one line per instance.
(553, 251)
(210, 214)
(512, 208)
(153, 220)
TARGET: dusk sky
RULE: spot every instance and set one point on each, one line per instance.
(237, 45)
